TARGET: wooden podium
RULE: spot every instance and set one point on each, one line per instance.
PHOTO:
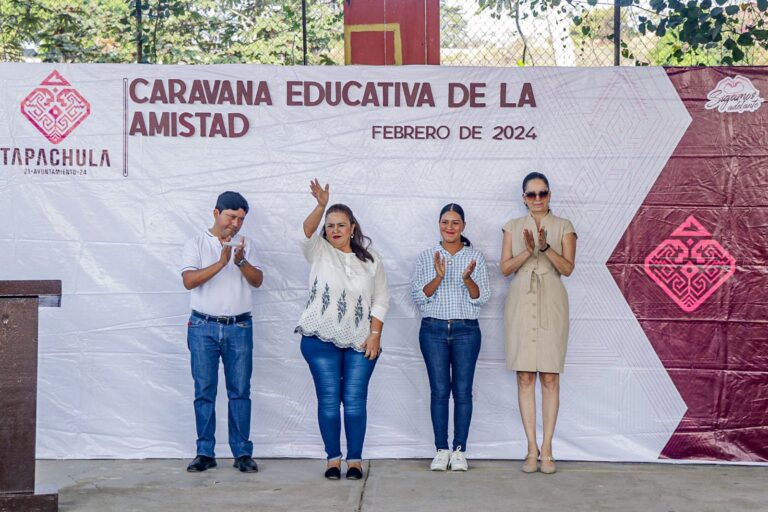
(19, 302)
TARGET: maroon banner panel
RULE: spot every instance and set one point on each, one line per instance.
(692, 266)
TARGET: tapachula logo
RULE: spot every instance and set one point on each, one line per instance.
(55, 108)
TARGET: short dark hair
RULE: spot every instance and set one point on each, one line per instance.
(231, 201)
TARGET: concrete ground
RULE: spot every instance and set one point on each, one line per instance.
(403, 486)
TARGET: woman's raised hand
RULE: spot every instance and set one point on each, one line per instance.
(529, 243)
(318, 192)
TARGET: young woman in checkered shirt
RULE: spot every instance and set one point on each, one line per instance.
(449, 286)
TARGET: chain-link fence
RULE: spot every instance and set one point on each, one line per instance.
(288, 32)
(173, 31)
(580, 33)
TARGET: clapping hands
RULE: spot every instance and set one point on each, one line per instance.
(468, 271)
(439, 265)
(530, 244)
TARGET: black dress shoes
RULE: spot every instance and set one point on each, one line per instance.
(201, 463)
(354, 473)
(246, 464)
(333, 473)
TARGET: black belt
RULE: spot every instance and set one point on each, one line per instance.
(226, 320)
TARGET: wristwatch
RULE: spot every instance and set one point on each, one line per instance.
(545, 249)
(241, 263)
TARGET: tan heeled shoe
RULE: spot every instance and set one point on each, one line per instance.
(548, 465)
(530, 465)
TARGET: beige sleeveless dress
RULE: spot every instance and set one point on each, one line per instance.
(536, 311)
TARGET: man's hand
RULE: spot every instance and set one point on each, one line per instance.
(240, 252)
(226, 252)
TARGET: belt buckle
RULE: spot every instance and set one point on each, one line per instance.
(223, 319)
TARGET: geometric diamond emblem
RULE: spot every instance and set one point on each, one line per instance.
(690, 266)
(55, 108)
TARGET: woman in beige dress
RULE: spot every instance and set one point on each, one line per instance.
(537, 249)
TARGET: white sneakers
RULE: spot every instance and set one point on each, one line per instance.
(446, 459)
(441, 460)
(458, 461)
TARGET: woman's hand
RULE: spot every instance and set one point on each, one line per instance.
(319, 193)
(528, 238)
(439, 265)
(542, 238)
(468, 271)
(314, 218)
(472, 288)
(372, 346)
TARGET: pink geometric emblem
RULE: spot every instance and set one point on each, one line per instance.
(55, 108)
(690, 266)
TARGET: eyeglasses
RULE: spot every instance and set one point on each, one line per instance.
(537, 195)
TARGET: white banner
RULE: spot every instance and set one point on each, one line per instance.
(105, 171)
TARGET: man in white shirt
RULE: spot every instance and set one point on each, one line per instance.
(215, 269)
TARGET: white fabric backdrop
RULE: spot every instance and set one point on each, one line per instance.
(114, 377)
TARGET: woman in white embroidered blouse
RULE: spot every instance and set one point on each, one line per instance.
(341, 325)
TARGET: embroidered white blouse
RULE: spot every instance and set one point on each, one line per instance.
(344, 293)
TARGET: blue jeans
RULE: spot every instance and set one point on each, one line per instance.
(450, 349)
(208, 341)
(341, 375)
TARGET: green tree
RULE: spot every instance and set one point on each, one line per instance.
(17, 22)
(693, 32)
(700, 27)
(453, 26)
(171, 31)
(271, 33)
(598, 24)
(669, 50)
(239, 31)
(55, 31)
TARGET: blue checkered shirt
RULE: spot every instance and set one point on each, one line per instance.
(451, 300)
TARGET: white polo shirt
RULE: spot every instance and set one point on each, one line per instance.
(225, 294)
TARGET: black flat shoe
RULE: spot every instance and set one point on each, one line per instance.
(333, 473)
(246, 464)
(201, 463)
(354, 473)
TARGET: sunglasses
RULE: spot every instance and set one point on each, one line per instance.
(537, 195)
